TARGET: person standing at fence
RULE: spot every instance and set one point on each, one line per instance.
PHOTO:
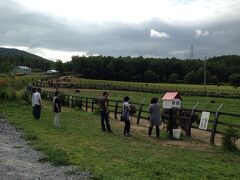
(103, 104)
(57, 109)
(125, 115)
(33, 103)
(154, 110)
(38, 103)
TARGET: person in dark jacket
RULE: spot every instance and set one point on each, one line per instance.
(154, 110)
(103, 104)
(57, 109)
(125, 115)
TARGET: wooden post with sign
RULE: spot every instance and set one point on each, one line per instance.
(171, 101)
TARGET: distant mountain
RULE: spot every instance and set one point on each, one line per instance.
(15, 57)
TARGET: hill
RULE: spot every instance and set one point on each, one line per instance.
(14, 57)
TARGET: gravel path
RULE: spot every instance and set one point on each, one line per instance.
(18, 161)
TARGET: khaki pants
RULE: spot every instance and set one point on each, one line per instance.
(57, 120)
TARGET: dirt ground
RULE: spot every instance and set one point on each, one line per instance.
(18, 161)
(199, 139)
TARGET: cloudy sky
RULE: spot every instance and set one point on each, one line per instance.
(58, 29)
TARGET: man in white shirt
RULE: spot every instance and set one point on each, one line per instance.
(33, 102)
(38, 103)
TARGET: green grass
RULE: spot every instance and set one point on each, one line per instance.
(166, 86)
(113, 156)
(230, 105)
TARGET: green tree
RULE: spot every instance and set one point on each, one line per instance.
(173, 78)
(59, 66)
(150, 76)
(234, 80)
(190, 77)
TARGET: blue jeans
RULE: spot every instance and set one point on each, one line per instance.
(105, 120)
(34, 112)
(37, 111)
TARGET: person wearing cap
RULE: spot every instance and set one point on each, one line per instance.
(103, 104)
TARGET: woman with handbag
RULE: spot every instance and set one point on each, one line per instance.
(154, 118)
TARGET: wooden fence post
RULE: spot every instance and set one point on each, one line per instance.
(86, 104)
(215, 123)
(116, 108)
(80, 103)
(70, 101)
(189, 126)
(93, 100)
(139, 113)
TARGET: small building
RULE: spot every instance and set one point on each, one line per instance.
(22, 70)
(52, 71)
(172, 100)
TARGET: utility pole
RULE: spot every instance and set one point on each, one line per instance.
(191, 52)
(204, 74)
(14, 57)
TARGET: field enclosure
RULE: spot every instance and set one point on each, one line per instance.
(192, 90)
(218, 121)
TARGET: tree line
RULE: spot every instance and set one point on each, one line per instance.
(223, 69)
(10, 58)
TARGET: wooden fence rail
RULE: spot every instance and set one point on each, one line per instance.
(115, 106)
(143, 88)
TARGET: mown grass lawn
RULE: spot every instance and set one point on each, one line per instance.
(81, 142)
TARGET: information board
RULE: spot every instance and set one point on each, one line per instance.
(204, 120)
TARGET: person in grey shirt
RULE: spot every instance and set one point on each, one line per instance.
(155, 118)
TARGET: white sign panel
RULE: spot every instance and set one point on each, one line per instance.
(204, 120)
(167, 104)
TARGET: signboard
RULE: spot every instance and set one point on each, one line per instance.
(167, 104)
(204, 120)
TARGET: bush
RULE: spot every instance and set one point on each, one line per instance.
(26, 97)
(2, 83)
(230, 138)
(7, 94)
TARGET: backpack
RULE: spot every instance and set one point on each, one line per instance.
(133, 109)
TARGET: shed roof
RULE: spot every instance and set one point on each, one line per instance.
(24, 67)
(171, 96)
(52, 71)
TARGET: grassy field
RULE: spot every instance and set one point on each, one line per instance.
(230, 105)
(164, 85)
(81, 142)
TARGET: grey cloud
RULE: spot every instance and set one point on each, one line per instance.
(22, 28)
